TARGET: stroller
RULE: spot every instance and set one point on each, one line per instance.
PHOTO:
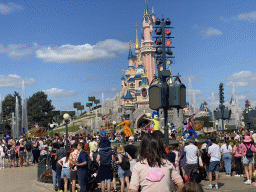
(92, 182)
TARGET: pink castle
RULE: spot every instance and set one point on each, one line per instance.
(140, 72)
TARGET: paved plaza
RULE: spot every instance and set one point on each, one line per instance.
(24, 180)
(19, 179)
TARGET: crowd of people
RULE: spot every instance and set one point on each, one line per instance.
(153, 166)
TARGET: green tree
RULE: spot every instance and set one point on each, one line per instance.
(76, 105)
(38, 108)
(8, 106)
(206, 121)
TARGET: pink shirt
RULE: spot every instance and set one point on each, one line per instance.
(250, 146)
(139, 174)
(238, 153)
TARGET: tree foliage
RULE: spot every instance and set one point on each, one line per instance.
(206, 120)
(38, 108)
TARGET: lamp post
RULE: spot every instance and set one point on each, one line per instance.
(66, 118)
(114, 123)
(52, 126)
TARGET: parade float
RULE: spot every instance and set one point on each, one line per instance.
(36, 131)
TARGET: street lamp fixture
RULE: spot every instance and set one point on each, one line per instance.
(114, 123)
(52, 126)
(66, 118)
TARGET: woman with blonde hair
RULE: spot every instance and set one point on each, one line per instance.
(123, 166)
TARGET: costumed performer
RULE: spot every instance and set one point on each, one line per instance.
(156, 121)
(190, 127)
(127, 130)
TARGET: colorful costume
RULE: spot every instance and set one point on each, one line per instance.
(190, 127)
(127, 130)
(156, 122)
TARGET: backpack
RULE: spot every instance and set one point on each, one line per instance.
(12, 152)
(28, 146)
(125, 165)
(249, 153)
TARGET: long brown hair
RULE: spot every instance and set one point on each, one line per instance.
(237, 145)
(152, 150)
(67, 155)
(192, 186)
(227, 143)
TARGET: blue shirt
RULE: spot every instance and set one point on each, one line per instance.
(82, 158)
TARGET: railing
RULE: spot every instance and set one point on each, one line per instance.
(44, 173)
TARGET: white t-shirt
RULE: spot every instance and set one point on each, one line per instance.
(191, 154)
(224, 148)
(65, 165)
(214, 151)
(2, 151)
(254, 137)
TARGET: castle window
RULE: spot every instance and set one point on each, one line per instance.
(139, 83)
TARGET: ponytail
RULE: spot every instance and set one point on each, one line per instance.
(227, 143)
(237, 146)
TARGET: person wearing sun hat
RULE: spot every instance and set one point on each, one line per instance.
(248, 158)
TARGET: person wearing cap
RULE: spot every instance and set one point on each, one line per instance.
(190, 128)
(131, 150)
(192, 153)
(248, 161)
(104, 142)
(214, 153)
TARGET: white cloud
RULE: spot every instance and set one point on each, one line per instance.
(18, 51)
(207, 31)
(9, 8)
(242, 79)
(247, 16)
(14, 81)
(109, 48)
(192, 78)
(55, 92)
(247, 63)
(251, 16)
(211, 32)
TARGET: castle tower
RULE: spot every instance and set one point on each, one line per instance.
(132, 58)
(147, 49)
(137, 45)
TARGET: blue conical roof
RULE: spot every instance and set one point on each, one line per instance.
(128, 95)
(144, 81)
(130, 55)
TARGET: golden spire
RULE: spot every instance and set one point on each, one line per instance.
(137, 45)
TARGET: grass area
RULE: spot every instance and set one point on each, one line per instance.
(74, 128)
(85, 116)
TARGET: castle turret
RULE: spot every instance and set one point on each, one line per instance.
(132, 58)
(147, 49)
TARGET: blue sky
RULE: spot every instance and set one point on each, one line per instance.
(75, 49)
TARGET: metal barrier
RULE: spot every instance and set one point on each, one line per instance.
(44, 171)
